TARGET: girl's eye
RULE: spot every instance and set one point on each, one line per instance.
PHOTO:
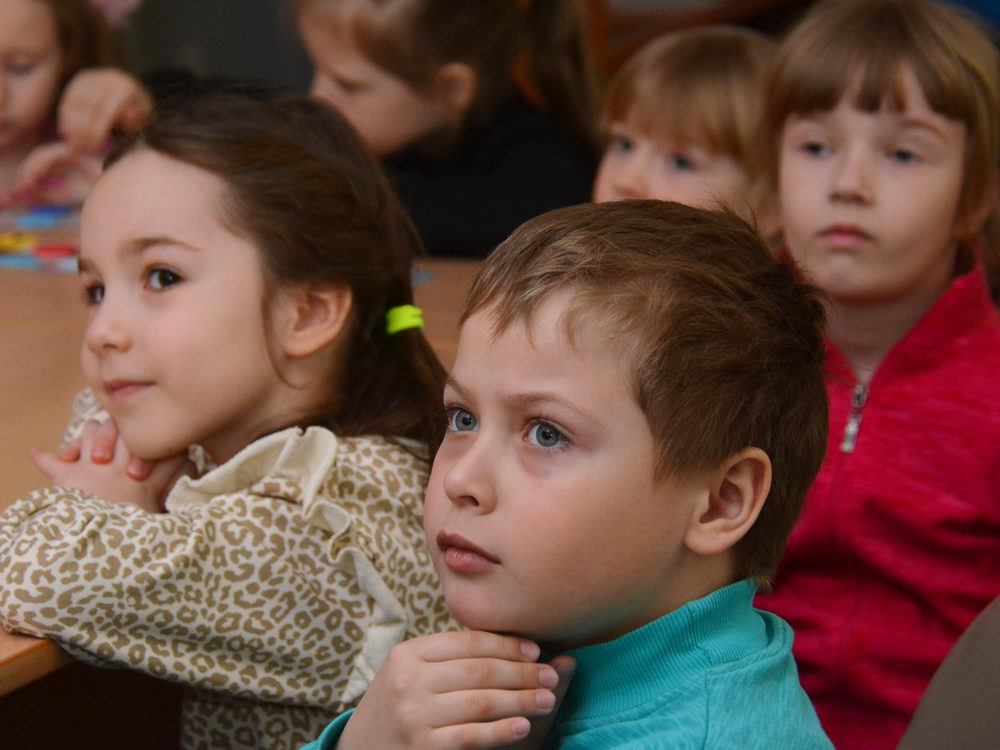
(93, 294)
(20, 68)
(903, 156)
(459, 420)
(161, 278)
(620, 143)
(544, 435)
(815, 148)
(681, 162)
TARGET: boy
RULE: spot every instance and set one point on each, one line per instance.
(633, 380)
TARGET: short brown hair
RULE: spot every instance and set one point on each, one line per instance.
(703, 86)
(302, 187)
(842, 43)
(723, 343)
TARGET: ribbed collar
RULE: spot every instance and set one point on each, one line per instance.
(614, 676)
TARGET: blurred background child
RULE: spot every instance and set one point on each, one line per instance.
(886, 115)
(431, 87)
(682, 118)
(43, 44)
(248, 272)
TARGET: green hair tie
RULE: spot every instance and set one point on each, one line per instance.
(403, 317)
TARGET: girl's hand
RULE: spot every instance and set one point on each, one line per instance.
(56, 173)
(102, 449)
(468, 689)
(108, 477)
(98, 101)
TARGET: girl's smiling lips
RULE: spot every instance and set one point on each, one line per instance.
(119, 390)
(463, 556)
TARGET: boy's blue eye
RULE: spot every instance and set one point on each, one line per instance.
(459, 420)
(544, 435)
(681, 162)
(161, 278)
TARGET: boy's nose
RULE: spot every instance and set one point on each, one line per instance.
(852, 179)
(469, 480)
(108, 330)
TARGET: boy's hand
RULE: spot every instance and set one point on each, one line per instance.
(99, 463)
(542, 725)
(98, 101)
(453, 690)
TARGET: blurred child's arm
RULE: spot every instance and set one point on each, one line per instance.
(99, 464)
(56, 173)
(98, 101)
(468, 689)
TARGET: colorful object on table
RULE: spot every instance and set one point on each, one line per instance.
(44, 217)
(17, 242)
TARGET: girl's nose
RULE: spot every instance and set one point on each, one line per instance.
(852, 177)
(469, 480)
(108, 330)
(631, 178)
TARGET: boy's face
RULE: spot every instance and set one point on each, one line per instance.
(635, 165)
(869, 201)
(542, 514)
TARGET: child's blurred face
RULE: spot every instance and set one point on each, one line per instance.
(387, 112)
(635, 165)
(542, 514)
(869, 201)
(30, 67)
(175, 349)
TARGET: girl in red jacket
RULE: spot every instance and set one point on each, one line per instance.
(887, 117)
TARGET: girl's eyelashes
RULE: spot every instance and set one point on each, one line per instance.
(460, 420)
(620, 143)
(903, 156)
(815, 148)
(93, 293)
(681, 162)
(160, 278)
(546, 436)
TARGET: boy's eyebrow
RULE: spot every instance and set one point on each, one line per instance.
(523, 401)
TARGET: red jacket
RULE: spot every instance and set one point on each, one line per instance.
(898, 548)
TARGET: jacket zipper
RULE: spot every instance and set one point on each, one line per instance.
(853, 426)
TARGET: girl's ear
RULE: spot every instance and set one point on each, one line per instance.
(314, 316)
(970, 225)
(456, 83)
(735, 496)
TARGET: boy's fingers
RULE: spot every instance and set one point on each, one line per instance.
(485, 672)
(474, 643)
(565, 666)
(481, 735)
(463, 706)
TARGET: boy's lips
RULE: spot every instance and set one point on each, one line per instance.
(463, 556)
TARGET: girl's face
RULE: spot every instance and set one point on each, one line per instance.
(387, 112)
(30, 67)
(635, 165)
(869, 201)
(176, 349)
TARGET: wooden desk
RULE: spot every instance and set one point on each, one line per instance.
(41, 323)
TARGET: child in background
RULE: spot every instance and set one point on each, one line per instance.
(616, 422)
(886, 115)
(430, 86)
(248, 272)
(43, 44)
(682, 118)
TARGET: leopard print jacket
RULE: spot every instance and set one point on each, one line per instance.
(273, 588)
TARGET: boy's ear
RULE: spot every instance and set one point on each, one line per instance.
(315, 315)
(456, 83)
(735, 496)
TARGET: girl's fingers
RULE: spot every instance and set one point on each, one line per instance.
(45, 462)
(102, 447)
(139, 468)
(70, 452)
